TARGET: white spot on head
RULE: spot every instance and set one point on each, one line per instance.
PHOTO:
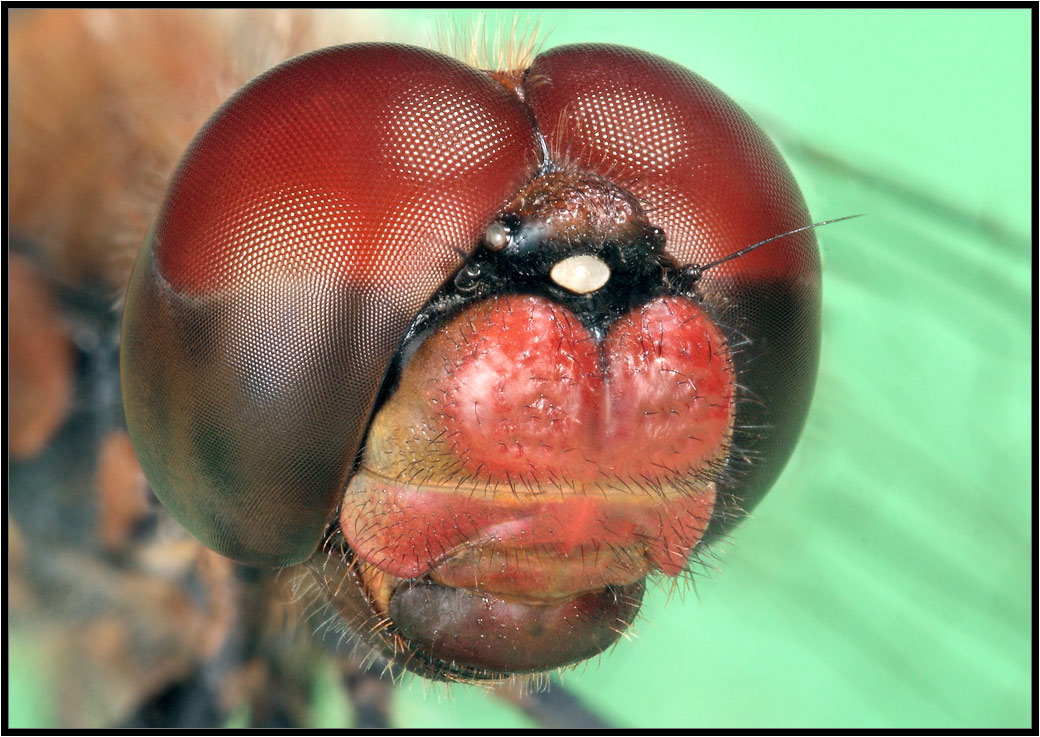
(580, 274)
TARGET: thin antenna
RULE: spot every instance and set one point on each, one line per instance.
(744, 251)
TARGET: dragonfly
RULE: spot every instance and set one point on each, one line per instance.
(214, 615)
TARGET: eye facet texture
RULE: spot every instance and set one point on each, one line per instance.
(307, 224)
(715, 184)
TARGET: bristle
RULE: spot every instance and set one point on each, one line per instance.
(501, 43)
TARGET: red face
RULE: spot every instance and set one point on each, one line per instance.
(442, 333)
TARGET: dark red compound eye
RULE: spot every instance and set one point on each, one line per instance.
(449, 326)
(309, 221)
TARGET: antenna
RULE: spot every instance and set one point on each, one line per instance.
(698, 270)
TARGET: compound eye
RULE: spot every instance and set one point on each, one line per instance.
(308, 223)
(711, 180)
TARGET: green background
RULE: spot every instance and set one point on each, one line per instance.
(886, 579)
